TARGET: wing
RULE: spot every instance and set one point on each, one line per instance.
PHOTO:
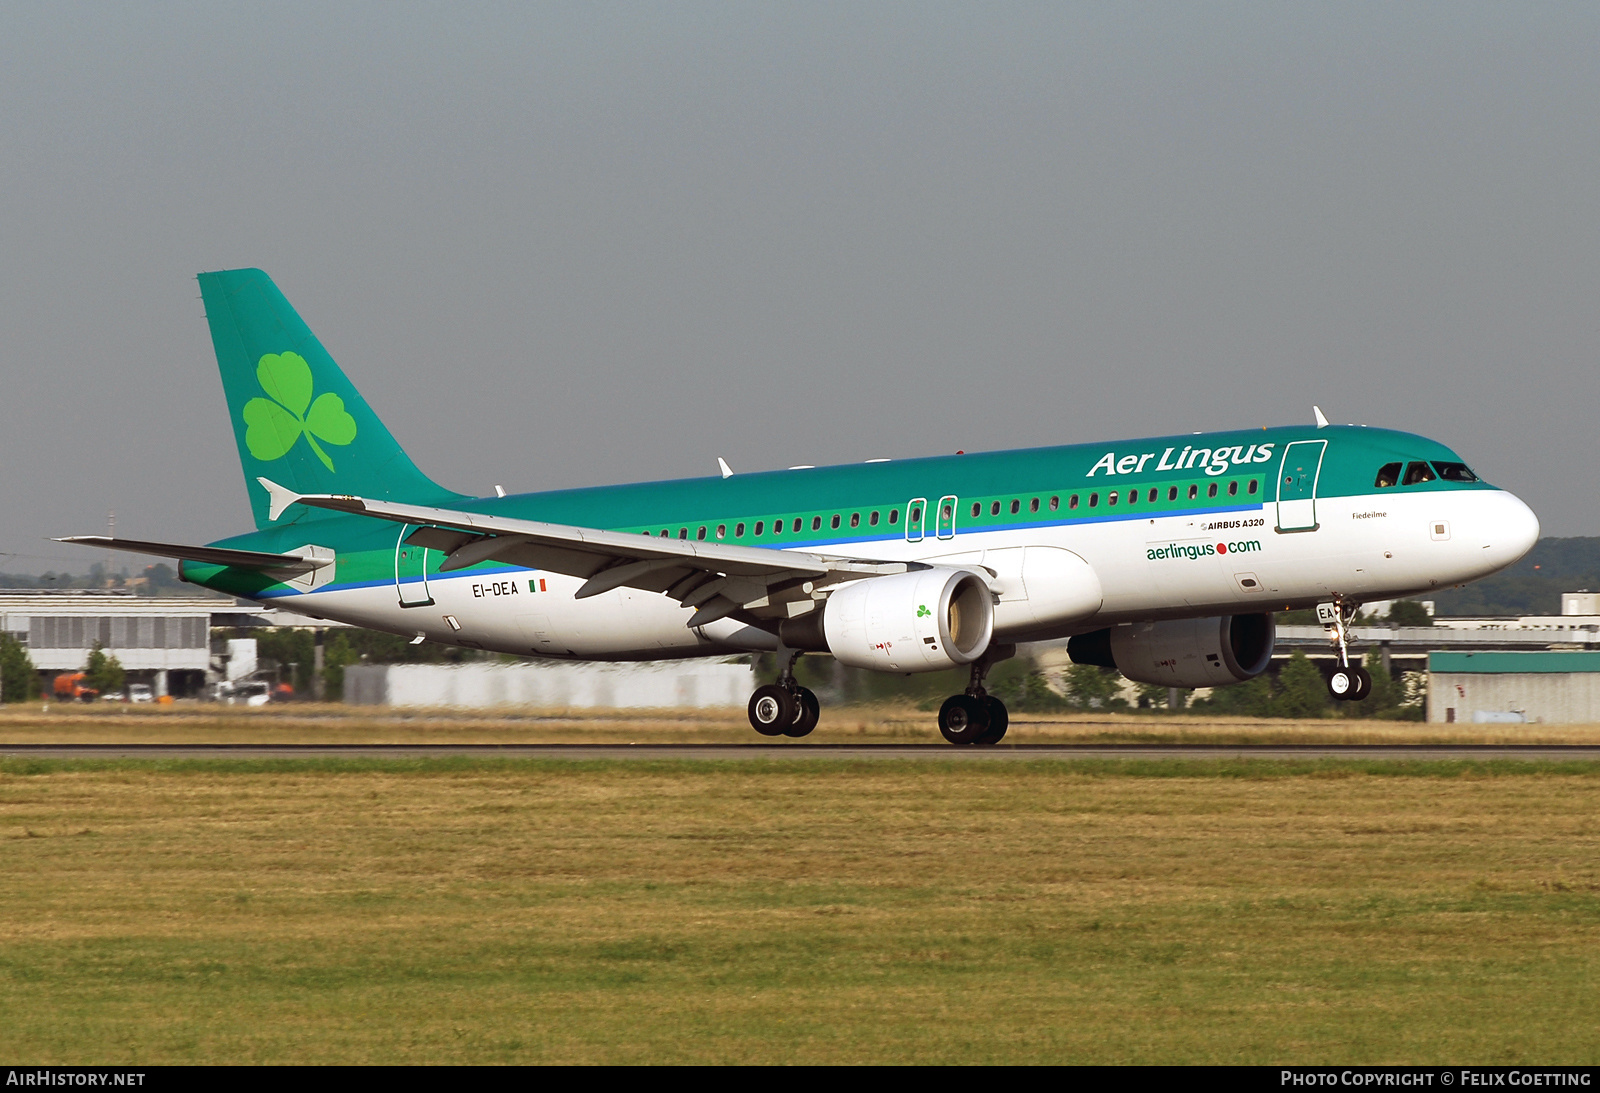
(718, 579)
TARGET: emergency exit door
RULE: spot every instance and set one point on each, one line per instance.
(411, 571)
(915, 508)
(1297, 485)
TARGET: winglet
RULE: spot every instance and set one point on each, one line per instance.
(722, 465)
(1322, 422)
(282, 497)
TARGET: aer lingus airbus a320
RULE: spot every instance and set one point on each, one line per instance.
(1164, 558)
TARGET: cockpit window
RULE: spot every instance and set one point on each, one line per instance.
(1388, 475)
(1454, 472)
(1417, 473)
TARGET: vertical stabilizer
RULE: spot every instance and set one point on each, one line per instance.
(297, 419)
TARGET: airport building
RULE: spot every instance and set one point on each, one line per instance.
(1551, 688)
(164, 642)
(674, 684)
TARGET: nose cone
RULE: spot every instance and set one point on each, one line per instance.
(1510, 530)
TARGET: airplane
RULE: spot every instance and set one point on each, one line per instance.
(1164, 558)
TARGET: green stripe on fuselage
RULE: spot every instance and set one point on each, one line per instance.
(365, 547)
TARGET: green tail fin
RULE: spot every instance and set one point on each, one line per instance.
(297, 419)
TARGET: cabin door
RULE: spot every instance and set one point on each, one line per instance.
(1297, 485)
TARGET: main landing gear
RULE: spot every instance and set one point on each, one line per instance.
(976, 717)
(784, 708)
(1349, 682)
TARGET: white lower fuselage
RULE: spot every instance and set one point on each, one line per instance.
(1363, 548)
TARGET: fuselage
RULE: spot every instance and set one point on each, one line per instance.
(1189, 526)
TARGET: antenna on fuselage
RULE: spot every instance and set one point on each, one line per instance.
(722, 465)
(1322, 422)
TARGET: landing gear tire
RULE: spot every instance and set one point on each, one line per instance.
(1342, 684)
(999, 718)
(773, 710)
(963, 719)
(807, 711)
(1350, 684)
(1363, 684)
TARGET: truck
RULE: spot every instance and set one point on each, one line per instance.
(70, 686)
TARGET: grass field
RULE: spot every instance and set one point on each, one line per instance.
(799, 911)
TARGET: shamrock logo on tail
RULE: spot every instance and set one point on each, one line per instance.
(275, 423)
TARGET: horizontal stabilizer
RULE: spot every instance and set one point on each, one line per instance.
(239, 559)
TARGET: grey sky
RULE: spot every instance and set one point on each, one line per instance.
(564, 245)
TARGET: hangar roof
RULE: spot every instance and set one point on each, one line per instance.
(1503, 663)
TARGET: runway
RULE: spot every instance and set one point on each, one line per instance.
(802, 751)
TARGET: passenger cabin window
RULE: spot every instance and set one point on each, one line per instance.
(664, 534)
(1418, 473)
(1172, 493)
(873, 519)
(835, 523)
(701, 534)
(1194, 491)
(1388, 475)
(855, 519)
(916, 514)
(738, 532)
(1111, 498)
(1016, 507)
(1033, 506)
(1454, 472)
(798, 523)
(1233, 489)
(1055, 503)
(816, 523)
(1252, 486)
(977, 507)
(683, 533)
(1072, 504)
(1154, 493)
(759, 525)
(722, 531)
(1211, 491)
(1094, 499)
(894, 516)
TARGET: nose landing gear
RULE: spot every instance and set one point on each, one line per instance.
(1349, 682)
(784, 708)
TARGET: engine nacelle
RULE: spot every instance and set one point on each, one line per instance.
(923, 621)
(1211, 652)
